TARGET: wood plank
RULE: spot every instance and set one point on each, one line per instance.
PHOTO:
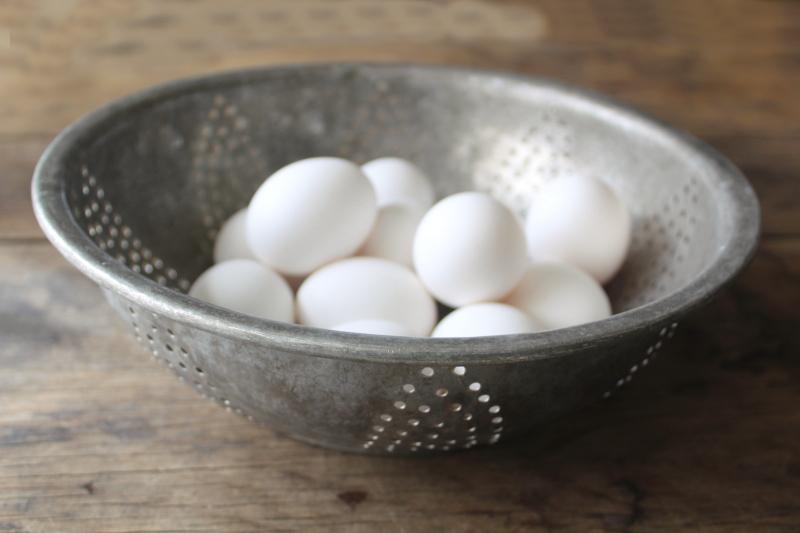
(94, 435)
(18, 156)
(704, 71)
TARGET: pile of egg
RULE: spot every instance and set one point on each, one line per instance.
(368, 251)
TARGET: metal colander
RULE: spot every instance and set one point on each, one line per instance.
(134, 193)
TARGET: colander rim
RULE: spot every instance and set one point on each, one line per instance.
(56, 219)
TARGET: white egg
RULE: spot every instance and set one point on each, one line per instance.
(469, 248)
(375, 327)
(362, 288)
(480, 320)
(559, 295)
(582, 221)
(392, 236)
(399, 181)
(310, 213)
(231, 241)
(246, 286)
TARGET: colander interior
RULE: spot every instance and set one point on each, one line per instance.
(155, 186)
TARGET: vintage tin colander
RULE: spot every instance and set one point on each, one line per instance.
(133, 194)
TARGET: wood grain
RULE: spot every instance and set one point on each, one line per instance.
(95, 436)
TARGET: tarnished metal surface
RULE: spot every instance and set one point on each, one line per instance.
(134, 193)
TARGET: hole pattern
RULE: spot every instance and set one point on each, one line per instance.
(660, 244)
(108, 230)
(164, 345)
(520, 163)
(440, 410)
(650, 353)
(224, 148)
(527, 161)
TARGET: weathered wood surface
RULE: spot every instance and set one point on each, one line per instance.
(95, 436)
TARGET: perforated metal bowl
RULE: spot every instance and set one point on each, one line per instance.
(133, 195)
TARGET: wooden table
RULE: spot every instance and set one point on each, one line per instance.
(94, 436)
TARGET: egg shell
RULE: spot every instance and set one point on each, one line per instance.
(246, 286)
(231, 241)
(310, 213)
(392, 236)
(362, 288)
(582, 221)
(480, 320)
(469, 248)
(375, 327)
(399, 181)
(559, 295)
